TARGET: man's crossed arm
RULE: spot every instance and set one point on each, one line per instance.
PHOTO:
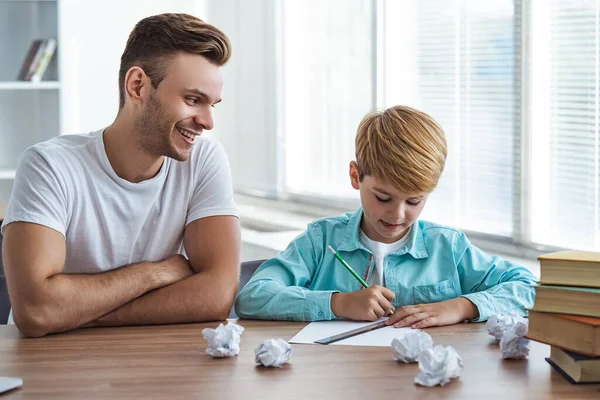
(174, 290)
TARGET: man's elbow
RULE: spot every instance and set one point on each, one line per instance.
(222, 313)
(218, 307)
(223, 308)
(33, 321)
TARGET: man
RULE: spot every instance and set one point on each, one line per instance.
(99, 225)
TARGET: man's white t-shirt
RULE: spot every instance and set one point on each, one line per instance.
(68, 184)
(380, 251)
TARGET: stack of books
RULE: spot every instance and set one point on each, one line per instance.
(566, 313)
(36, 62)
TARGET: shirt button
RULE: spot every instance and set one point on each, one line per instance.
(320, 314)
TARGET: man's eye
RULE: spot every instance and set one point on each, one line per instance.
(192, 100)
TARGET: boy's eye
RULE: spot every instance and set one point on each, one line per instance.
(381, 200)
(413, 202)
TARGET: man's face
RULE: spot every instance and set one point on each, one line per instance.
(387, 213)
(180, 108)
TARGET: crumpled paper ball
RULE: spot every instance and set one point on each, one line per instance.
(224, 341)
(408, 347)
(497, 324)
(438, 365)
(272, 352)
(512, 344)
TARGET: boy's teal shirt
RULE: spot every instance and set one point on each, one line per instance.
(438, 263)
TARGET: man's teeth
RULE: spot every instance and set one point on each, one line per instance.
(187, 135)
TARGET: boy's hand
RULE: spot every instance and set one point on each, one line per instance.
(363, 305)
(446, 312)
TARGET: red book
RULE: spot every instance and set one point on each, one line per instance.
(29, 64)
(570, 332)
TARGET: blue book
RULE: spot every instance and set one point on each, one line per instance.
(576, 368)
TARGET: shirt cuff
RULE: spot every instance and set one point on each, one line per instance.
(318, 305)
(482, 302)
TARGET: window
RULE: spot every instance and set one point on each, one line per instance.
(564, 125)
(327, 88)
(521, 121)
(459, 63)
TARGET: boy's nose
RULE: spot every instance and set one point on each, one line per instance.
(400, 212)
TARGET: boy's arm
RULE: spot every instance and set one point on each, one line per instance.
(489, 286)
(492, 284)
(278, 289)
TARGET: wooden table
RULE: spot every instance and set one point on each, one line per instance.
(170, 362)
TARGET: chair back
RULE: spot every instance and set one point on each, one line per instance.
(4, 300)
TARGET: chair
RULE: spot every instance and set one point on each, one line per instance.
(247, 270)
(4, 300)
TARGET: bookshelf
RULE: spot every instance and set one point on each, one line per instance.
(29, 112)
(16, 85)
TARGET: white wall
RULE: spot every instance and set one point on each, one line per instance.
(92, 36)
(246, 122)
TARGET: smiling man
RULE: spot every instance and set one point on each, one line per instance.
(135, 223)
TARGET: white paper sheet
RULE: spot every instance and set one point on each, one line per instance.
(8, 383)
(318, 330)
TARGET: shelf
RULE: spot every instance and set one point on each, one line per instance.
(18, 85)
(7, 174)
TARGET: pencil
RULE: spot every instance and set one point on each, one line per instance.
(348, 267)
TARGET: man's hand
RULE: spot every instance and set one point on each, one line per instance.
(363, 305)
(173, 269)
(446, 312)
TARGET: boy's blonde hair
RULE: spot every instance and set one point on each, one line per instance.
(402, 146)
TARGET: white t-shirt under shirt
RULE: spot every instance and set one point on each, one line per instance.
(380, 251)
(68, 184)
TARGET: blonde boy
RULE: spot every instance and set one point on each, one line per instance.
(428, 273)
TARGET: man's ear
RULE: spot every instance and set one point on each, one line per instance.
(354, 177)
(136, 84)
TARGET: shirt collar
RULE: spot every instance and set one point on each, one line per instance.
(350, 241)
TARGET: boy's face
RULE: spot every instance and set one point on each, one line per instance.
(387, 212)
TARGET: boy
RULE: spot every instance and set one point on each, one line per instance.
(428, 274)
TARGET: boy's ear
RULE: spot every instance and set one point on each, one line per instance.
(354, 178)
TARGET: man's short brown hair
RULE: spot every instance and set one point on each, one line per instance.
(155, 40)
(402, 146)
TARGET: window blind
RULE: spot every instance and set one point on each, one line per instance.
(564, 130)
(464, 71)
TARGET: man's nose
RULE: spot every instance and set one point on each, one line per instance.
(204, 119)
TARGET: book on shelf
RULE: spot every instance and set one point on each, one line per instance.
(570, 332)
(35, 50)
(576, 368)
(36, 62)
(570, 267)
(567, 300)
